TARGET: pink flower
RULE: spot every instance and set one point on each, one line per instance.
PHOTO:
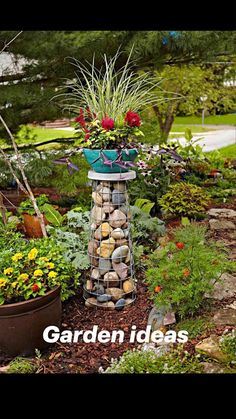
(108, 123)
(133, 119)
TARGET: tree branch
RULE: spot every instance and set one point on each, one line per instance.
(34, 145)
(8, 43)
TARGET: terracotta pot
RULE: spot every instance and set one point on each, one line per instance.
(32, 225)
(22, 324)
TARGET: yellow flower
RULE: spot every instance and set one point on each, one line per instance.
(44, 259)
(38, 272)
(52, 274)
(16, 257)
(24, 277)
(3, 282)
(32, 254)
(14, 284)
(8, 271)
(50, 265)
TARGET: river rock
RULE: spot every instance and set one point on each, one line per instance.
(117, 218)
(120, 186)
(128, 301)
(89, 285)
(121, 242)
(108, 207)
(117, 234)
(125, 225)
(104, 266)
(116, 293)
(127, 259)
(120, 253)
(99, 289)
(102, 231)
(128, 285)
(97, 215)
(95, 274)
(92, 247)
(121, 269)
(104, 183)
(120, 304)
(105, 193)
(106, 248)
(118, 197)
(90, 302)
(126, 233)
(111, 279)
(104, 298)
(97, 198)
(210, 347)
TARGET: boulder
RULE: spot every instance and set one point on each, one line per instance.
(221, 225)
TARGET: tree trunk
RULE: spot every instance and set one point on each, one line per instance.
(164, 124)
(3, 210)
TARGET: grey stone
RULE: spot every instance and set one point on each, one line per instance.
(120, 304)
(99, 289)
(121, 269)
(225, 316)
(126, 233)
(212, 368)
(118, 198)
(221, 213)
(104, 266)
(210, 347)
(221, 225)
(117, 219)
(159, 349)
(97, 215)
(224, 288)
(117, 233)
(103, 298)
(120, 254)
(105, 193)
(161, 316)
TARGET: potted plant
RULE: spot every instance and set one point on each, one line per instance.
(31, 221)
(107, 102)
(33, 281)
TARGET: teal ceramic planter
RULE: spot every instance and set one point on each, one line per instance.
(96, 161)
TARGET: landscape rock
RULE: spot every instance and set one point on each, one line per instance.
(117, 218)
(97, 215)
(212, 368)
(90, 302)
(221, 213)
(104, 266)
(99, 289)
(97, 198)
(116, 293)
(105, 193)
(128, 286)
(210, 347)
(225, 316)
(111, 279)
(103, 298)
(120, 304)
(128, 301)
(223, 289)
(106, 248)
(108, 207)
(89, 285)
(158, 348)
(118, 197)
(121, 242)
(120, 186)
(118, 234)
(95, 274)
(221, 224)
(121, 269)
(102, 231)
(120, 253)
(127, 259)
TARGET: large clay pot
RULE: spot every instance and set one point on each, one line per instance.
(95, 160)
(22, 324)
(32, 225)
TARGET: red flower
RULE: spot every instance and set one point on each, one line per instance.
(186, 273)
(180, 245)
(35, 288)
(157, 289)
(133, 119)
(80, 119)
(108, 123)
(87, 136)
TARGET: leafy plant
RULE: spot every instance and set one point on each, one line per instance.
(33, 268)
(145, 229)
(184, 199)
(144, 204)
(27, 207)
(147, 362)
(52, 215)
(195, 327)
(228, 345)
(185, 269)
(22, 365)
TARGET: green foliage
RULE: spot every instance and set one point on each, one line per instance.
(146, 229)
(227, 119)
(186, 268)
(144, 204)
(74, 236)
(195, 327)
(26, 206)
(191, 149)
(52, 215)
(228, 345)
(228, 152)
(31, 268)
(184, 199)
(147, 362)
(22, 365)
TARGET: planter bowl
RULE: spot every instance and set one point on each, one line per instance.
(95, 160)
(22, 324)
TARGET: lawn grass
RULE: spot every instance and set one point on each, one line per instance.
(228, 151)
(228, 119)
(44, 134)
(182, 128)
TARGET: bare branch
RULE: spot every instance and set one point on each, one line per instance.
(8, 43)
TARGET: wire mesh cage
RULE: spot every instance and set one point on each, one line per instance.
(111, 281)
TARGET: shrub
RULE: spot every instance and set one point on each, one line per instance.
(146, 229)
(185, 269)
(143, 362)
(195, 327)
(21, 365)
(184, 199)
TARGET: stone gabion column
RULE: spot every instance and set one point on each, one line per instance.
(111, 282)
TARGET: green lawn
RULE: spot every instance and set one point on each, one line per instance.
(182, 128)
(44, 134)
(229, 119)
(229, 151)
